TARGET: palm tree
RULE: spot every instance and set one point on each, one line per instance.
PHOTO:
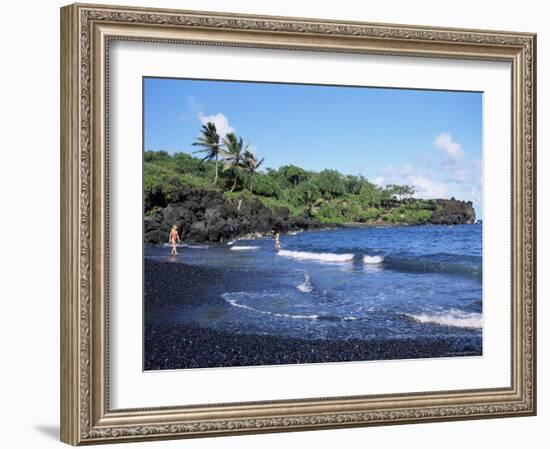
(251, 165)
(234, 156)
(209, 140)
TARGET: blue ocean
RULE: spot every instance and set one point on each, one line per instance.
(346, 283)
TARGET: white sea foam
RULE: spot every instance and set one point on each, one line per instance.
(306, 286)
(243, 248)
(454, 318)
(373, 259)
(295, 232)
(235, 303)
(321, 257)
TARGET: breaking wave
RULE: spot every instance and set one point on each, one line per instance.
(306, 286)
(373, 259)
(321, 257)
(453, 318)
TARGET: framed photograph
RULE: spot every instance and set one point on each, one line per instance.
(280, 224)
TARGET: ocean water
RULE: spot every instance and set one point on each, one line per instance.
(383, 282)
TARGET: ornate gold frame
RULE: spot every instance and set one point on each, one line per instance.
(86, 31)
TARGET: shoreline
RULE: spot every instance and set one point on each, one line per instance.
(335, 227)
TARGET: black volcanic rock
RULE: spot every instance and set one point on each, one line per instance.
(198, 232)
(453, 212)
(207, 216)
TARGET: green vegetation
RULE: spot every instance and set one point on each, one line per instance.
(327, 196)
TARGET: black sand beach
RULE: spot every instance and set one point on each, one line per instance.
(171, 343)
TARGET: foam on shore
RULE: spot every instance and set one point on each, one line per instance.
(321, 257)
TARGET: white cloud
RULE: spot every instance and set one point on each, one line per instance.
(427, 188)
(453, 150)
(442, 172)
(425, 185)
(222, 123)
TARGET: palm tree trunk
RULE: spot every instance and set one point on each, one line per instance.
(216, 176)
(234, 183)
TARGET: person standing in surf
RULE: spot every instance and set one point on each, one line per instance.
(277, 240)
(174, 238)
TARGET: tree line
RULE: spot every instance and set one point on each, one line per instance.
(237, 159)
(228, 164)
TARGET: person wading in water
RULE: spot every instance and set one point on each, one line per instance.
(277, 240)
(174, 238)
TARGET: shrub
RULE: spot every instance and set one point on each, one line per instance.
(266, 186)
(330, 183)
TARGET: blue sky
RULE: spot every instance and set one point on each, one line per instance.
(430, 139)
